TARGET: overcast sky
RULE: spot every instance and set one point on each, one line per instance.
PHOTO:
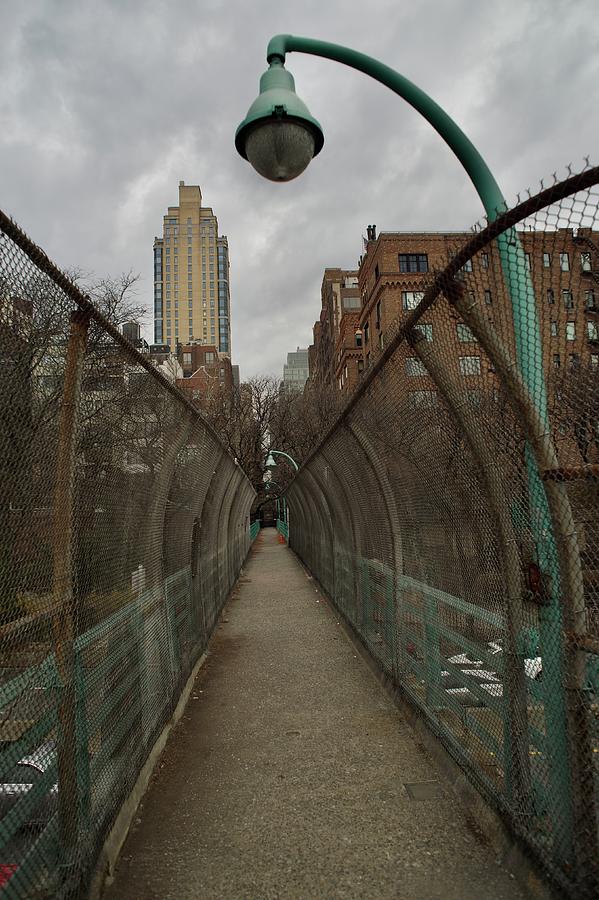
(106, 105)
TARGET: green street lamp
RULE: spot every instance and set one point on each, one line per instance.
(279, 136)
(271, 461)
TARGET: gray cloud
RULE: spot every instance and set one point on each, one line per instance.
(106, 105)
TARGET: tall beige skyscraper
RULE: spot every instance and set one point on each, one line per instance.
(191, 276)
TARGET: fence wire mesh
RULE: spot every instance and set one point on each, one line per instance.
(451, 514)
(124, 524)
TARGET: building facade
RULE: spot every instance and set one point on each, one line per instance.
(191, 276)
(205, 372)
(295, 370)
(335, 359)
(563, 267)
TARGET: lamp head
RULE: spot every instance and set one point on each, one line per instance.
(270, 462)
(278, 136)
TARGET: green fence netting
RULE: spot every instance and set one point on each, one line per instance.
(124, 524)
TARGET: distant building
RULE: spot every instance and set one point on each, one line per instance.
(191, 276)
(296, 370)
(132, 332)
(235, 374)
(335, 358)
(205, 371)
(165, 361)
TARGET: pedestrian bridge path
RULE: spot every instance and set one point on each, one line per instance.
(292, 773)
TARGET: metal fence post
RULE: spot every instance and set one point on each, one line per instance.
(432, 651)
(64, 621)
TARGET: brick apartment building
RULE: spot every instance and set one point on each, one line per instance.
(397, 267)
(335, 360)
(205, 371)
(564, 267)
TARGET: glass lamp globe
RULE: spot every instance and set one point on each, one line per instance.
(278, 136)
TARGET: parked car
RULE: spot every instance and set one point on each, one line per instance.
(23, 778)
(487, 679)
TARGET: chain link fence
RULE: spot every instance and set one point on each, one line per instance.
(124, 524)
(451, 515)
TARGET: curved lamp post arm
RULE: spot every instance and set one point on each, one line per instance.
(287, 457)
(477, 169)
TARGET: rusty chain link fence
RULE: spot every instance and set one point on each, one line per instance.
(451, 515)
(124, 524)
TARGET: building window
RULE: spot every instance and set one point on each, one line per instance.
(464, 333)
(585, 262)
(470, 365)
(568, 299)
(377, 274)
(594, 360)
(187, 359)
(553, 329)
(570, 331)
(413, 262)
(556, 361)
(378, 314)
(546, 260)
(564, 262)
(589, 299)
(366, 332)
(414, 366)
(488, 298)
(467, 267)
(425, 330)
(475, 398)
(592, 331)
(358, 338)
(574, 361)
(411, 299)
(381, 341)
(484, 260)
(360, 365)
(422, 398)
(550, 296)
(527, 258)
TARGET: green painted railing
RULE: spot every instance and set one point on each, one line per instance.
(128, 675)
(254, 529)
(283, 528)
(415, 629)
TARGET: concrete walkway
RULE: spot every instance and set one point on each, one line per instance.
(286, 776)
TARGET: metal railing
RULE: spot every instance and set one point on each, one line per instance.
(124, 525)
(454, 524)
